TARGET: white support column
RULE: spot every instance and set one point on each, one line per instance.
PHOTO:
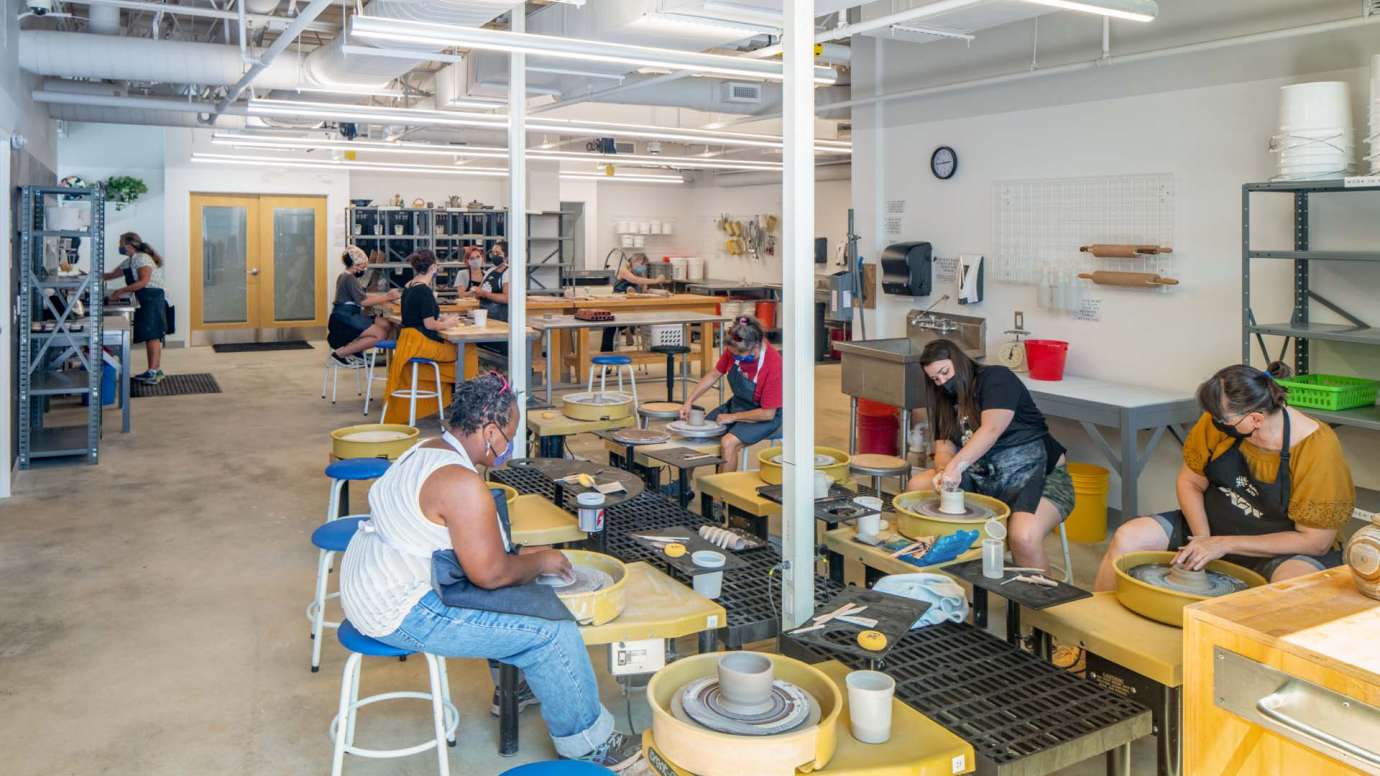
(518, 353)
(798, 301)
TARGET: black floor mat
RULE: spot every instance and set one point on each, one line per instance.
(177, 385)
(250, 347)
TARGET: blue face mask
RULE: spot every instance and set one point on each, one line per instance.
(640, 270)
(750, 358)
(124, 251)
(507, 453)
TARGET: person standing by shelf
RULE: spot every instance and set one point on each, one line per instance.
(142, 270)
(422, 324)
(351, 330)
(632, 274)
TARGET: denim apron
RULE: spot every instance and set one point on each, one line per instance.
(151, 317)
(454, 588)
(1238, 504)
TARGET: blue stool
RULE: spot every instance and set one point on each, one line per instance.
(331, 537)
(342, 473)
(445, 717)
(618, 363)
(413, 393)
(373, 357)
(558, 768)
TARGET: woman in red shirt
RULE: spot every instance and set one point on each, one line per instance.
(753, 370)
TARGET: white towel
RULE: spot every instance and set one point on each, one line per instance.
(947, 600)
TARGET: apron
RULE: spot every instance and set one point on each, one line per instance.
(744, 390)
(1014, 476)
(493, 283)
(454, 588)
(151, 316)
(1237, 504)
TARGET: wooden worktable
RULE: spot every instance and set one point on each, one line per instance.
(465, 334)
(638, 302)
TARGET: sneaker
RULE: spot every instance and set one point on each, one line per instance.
(525, 698)
(348, 362)
(618, 753)
(150, 377)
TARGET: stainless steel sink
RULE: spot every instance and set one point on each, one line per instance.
(888, 370)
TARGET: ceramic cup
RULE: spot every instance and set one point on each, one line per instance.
(696, 416)
(872, 524)
(869, 705)
(709, 585)
(745, 679)
(822, 483)
(951, 502)
(480, 317)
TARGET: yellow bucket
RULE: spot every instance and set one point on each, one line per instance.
(1088, 523)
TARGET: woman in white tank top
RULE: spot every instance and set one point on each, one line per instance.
(432, 498)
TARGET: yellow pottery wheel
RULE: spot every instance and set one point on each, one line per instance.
(578, 406)
(917, 525)
(1162, 604)
(508, 493)
(600, 606)
(373, 440)
(770, 470)
(700, 750)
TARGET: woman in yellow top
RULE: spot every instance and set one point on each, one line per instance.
(1263, 485)
(422, 324)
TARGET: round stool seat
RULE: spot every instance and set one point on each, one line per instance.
(335, 536)
(660, 410)
(877, 465)
(386, 345)
(558, 768)
(671, 350)
(420, 360)
(608, 359)
(358, 469)
(355, 641)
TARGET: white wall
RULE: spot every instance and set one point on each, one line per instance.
(1210, 138)
(88, 151)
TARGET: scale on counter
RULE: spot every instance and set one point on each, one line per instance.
(1012, 354)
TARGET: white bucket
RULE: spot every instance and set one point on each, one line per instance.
(694, 268)
(639, 241)
(678, 269)
(621, 227)
(667, 228)
(654, 227)
(1319, 104)
(628, 240)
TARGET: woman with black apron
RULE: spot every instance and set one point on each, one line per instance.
(990, 438)
(752, 368)
(631, 275)
(142, 270)
(434, 570)
(351, 329)
(1263, 486)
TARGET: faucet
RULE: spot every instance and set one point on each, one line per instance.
(928, 320)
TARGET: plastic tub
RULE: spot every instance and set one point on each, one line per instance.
(1313, 105)
(1330, 392)
(1045, 358)
(766, 313)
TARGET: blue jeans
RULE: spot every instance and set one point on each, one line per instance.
(550, 654)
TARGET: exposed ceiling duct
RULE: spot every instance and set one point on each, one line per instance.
(103, 19)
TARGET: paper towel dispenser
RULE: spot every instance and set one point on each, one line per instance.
(906, 269)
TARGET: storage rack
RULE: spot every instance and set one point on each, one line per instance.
(1299, 329)
(43, 352)
(398, 231)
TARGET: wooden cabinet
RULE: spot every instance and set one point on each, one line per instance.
(1311, 646)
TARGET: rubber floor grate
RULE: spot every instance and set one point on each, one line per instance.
(259, 347)
(1007, 703)
(176, 385)
(525, 480)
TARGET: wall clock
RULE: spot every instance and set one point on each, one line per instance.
(944, 162)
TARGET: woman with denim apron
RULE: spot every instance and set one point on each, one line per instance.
(433, 500)
(1263, 486)
(632, 275)
(990, 438)
(752, 368)
(142, 270)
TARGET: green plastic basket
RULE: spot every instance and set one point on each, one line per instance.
(1330, 392)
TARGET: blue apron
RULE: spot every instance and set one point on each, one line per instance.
(744, 399)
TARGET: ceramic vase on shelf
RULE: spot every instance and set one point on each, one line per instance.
(1363, 556)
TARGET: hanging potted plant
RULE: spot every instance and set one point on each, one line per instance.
(123, 190)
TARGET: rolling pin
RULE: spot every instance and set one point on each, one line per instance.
(1132, 279)
(1117, 251)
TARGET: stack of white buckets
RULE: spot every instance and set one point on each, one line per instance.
(1316, 139)
(1374, 138)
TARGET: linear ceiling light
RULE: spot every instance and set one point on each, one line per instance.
(449, 35)
(1131, 10)
(379, 113)
(622, 177)
(319, 164)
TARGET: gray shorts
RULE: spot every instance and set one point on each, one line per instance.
(1176, 528)
(1059, 490)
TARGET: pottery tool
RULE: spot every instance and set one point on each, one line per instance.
(1128, 279)
(1120, 251)
(823, 619)
(861, 622)
(1030, 580)
(651, 538)
(872, 640)
(921, 546)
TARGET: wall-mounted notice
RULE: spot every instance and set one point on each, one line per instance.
(1088, 310)
(945, 270)
(895, 212)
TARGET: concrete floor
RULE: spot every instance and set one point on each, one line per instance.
(153, 622)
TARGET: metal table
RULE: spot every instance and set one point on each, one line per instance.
(115, 333)
(731, 288)
(1127, 408)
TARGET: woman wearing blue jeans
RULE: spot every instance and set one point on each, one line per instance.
(433, 499)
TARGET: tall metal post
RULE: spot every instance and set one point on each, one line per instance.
(518, 353)
(798, 299)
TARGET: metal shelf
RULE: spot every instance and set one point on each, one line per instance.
(63, 283)
(1307, 187)
(1315, 255)
(413, 237)
(60, 233)
(1361, 417)
(58, 442)
(59, 383)
(1321, 331)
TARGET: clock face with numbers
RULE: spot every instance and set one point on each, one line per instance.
(944, 162)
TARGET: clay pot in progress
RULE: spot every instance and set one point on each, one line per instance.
(745, 678)
(1363, 556)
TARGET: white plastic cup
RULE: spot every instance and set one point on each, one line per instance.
(591, 514)
(869, 705)
(872, 524)
(822, 483)
(993, 558)
(480, 316)
(709, 585)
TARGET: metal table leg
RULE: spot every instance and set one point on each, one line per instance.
(683, 478)
(1169, 736)
(550, 365)
(980, 608)
(507, 710)
(1119, 761)
(708, 641)
(124, 381)
(1013, 621)
(853, 426)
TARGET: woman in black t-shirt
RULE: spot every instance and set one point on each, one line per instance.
(351, 330)
(422, 324)
(990, 438)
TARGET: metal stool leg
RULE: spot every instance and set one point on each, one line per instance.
(347, 692)
(372, 357)
(440, 400)
(1068, 564)
(323, 563)
(632, 380)
(412, 400)
(438, 714)
(325, 377)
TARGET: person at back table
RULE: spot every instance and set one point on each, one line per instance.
(351, 329)
(632, 275)
(422, 324)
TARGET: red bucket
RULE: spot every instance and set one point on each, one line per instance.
(878, 425)
(1046, 358)
(766, 314)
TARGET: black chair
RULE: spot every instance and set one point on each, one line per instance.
(671, 351)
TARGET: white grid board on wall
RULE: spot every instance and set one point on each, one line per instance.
(1038, 225)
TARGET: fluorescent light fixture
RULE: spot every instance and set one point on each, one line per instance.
(1131, 10)
(701, 26)
(415, 33)
(374, 113)
(331, 164)
(622, 177)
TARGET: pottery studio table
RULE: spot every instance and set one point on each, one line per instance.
(1127, 408)
(464, 334)
(552, 427)
(658, 607)
(536, 522)
(686, 318)
(877, 561)
(620, 304)
(918, 746)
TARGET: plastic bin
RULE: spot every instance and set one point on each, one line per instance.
(1330, 392)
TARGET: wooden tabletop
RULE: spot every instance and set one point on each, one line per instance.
(840, 540)
(658, 607)
(641, 318)
(1104, 627)
(491, 331)
(617, 301)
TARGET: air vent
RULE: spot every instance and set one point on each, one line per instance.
(737, 91)
(624, 148)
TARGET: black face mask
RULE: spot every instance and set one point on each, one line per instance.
(1229, 430)
(950, 387)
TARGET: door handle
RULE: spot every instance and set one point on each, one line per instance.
(1297, 695)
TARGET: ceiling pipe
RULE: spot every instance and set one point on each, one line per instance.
(306, 17)
(103, 19)
(138, 103)
(881, 22)
(272, 22)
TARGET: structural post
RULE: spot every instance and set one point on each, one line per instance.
(519, 353)
(798, 299)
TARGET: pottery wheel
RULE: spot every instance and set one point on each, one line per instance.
(637, 436)
(788, 708)
(1210, 584)
(846, 511)
(821, 460)
(707, 429)
(929, 507)
(375, 436)
(606, 399)
(587, 579)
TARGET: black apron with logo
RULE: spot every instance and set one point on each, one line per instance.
(493, 283)
(1238, 504)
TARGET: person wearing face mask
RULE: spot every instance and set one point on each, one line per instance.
(492, 286)
(142, 270)
(1262, 485)
(434, 500)
(422, 324)
(753, 369)
(351, 330)
(990, 438)
(631, 274)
